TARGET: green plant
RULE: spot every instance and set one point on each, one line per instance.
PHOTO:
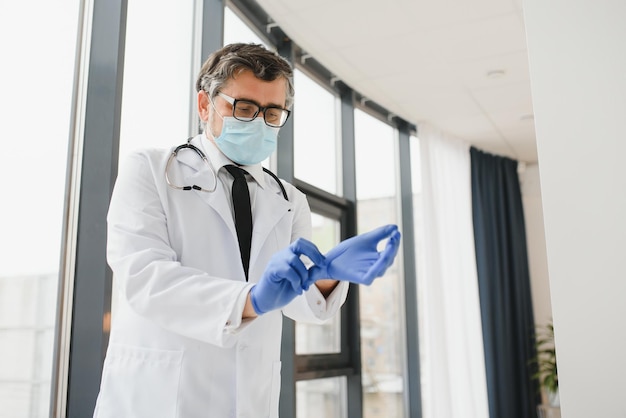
(546, 374)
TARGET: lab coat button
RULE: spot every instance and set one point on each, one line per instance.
(228, 323)
(319, 302)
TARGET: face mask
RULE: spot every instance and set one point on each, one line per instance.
(246, 143)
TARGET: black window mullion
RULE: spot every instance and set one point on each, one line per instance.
(410, 274)
(212, 37)
(353, 316)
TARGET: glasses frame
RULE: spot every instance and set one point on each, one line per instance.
(260, 109)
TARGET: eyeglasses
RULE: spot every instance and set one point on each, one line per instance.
(246, 111)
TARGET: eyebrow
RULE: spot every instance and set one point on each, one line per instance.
(257, 103)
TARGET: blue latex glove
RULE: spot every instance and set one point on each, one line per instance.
(357, 259)
(285, 277)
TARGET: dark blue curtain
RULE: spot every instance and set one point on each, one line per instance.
(504, 286)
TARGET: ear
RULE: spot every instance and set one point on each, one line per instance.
(203, 105)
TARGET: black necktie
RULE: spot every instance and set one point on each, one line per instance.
(243, 214)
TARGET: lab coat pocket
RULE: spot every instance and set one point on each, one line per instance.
(275, 391)
(139, 382)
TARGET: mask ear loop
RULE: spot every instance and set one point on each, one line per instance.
(201, 155)
(208, 127)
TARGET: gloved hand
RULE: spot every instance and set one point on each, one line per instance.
(357, 260)
(285, 276)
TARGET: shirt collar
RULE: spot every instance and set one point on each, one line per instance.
(219, 160)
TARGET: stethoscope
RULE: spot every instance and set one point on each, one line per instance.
(189, 145)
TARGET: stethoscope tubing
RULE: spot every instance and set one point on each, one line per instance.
(201, 154)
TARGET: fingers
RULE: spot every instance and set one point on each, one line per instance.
(297, 280)
(302, 246)
(385, 258)
(301, 280)
(315, 273)
(382, 232)
(393, 244)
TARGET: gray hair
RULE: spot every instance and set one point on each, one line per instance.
(225, 63)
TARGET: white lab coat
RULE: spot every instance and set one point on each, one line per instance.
(178, 347)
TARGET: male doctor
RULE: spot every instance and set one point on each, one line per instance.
(198, 328)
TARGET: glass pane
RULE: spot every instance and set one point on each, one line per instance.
(37, 76)
(382, 303)
(324, 338)
(321, 398)
(236, 30)
(316, 137)
(157, 98)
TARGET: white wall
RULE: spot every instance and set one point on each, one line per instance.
(536, 243)
(577, 52)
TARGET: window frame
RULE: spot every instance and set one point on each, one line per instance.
(315, 366)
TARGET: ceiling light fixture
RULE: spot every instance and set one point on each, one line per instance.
(495, 74)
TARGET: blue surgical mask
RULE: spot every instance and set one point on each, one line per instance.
(246, 143)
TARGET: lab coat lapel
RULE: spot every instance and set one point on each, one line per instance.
(270, 207)
(198, 172)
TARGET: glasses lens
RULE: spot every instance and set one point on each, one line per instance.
(275, 116)
(245, 111)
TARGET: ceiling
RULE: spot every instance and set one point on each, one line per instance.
(458, 65)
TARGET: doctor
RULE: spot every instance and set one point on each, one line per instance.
(198, 327)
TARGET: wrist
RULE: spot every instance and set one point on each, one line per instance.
(248, 310)
(326, 286)
(317, 273)
(255, 302)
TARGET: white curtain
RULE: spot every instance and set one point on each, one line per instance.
(452, 359)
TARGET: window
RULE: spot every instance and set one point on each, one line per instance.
(236, 30)
(325, 338)
(323, 358)
(37, 83)
(322, 353)
(381, 304)
(322, 398)
(158, 104)
(315, 144)
(316, 138)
